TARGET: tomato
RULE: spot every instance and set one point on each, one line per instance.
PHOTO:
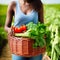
(24, 28)
(16, 30)
(19, 29)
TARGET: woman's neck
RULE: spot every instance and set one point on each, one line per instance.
(25, 5)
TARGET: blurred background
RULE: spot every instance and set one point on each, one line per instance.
(51, 20)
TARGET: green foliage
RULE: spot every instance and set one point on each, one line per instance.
(52, 21)
(2, 20)
(48, 45)
(37, 33)
(3, 37)
(3, 11)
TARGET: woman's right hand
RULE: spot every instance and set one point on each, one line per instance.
(10, 32)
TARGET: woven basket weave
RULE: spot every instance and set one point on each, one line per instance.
(24, 46)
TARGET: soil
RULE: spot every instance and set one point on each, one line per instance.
(6, 55)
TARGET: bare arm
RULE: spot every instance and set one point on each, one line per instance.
(10, 13)
(41, 15)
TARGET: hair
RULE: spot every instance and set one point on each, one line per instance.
(36, 4)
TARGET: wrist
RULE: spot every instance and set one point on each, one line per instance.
(7, 29)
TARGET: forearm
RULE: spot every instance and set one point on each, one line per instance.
(8, 25)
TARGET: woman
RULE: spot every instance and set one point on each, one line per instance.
(24, 11)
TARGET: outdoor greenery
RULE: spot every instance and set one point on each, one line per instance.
(52, 21)
(3, 10)
(3, 34)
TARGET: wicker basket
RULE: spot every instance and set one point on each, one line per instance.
(23, 46)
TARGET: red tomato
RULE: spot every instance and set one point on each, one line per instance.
(17, 30)
(20, 29)
(24, 28)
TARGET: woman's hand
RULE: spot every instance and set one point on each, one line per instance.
(10, 32)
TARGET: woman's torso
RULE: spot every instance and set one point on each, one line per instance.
(20, 18)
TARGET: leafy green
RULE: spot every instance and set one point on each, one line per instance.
(3, 37)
